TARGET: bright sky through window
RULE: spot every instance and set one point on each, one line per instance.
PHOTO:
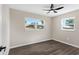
(32, 21)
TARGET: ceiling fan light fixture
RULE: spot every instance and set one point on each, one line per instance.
(52, 8)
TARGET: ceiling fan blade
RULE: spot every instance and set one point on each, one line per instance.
(48, 12)
(54, 11)
(52, 6)
(59, 8)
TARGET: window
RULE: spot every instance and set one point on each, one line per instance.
(32, 23)
(68, 24)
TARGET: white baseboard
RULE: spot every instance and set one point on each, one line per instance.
(43, 41)
(66, 43)
(19, 45)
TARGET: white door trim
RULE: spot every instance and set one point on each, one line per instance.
(5, 28)
(0, 27)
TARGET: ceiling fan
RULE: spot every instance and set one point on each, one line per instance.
(53, 9)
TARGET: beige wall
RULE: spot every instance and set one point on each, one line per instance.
(68, 37)
(20, 36)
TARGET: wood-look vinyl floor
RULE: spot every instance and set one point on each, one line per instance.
(50, 47)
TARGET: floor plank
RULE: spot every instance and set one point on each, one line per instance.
(50, 47)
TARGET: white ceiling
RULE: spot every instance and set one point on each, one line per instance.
(38, 8)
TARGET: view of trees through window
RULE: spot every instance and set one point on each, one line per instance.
(33, 23)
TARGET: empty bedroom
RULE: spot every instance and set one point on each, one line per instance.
(41, 29)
